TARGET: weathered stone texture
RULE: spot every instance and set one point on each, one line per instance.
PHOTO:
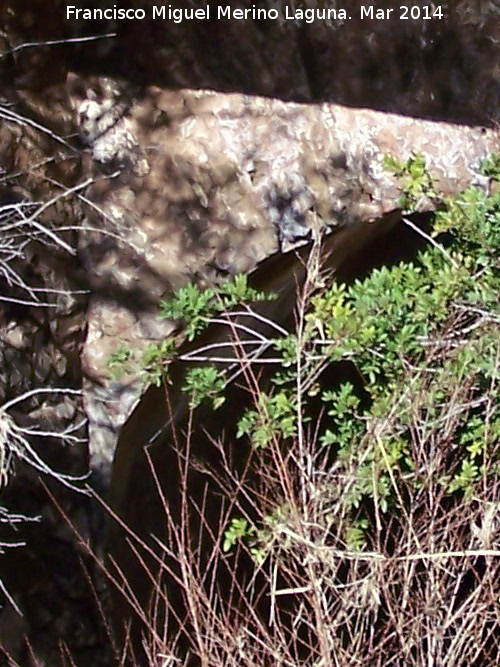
(205, 179)
(190, 183)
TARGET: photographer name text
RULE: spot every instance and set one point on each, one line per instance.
(177, 15)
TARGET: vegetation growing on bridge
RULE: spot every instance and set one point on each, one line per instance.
(381, 506)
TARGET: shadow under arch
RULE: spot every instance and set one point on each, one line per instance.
(161, 438)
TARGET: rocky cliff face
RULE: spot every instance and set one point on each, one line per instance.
(162, 152)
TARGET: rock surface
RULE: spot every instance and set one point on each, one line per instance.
(219, 142)
(206, 183)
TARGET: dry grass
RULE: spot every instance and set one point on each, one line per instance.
(423, 590)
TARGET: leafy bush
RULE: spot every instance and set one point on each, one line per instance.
(193, 309)
(376, 516)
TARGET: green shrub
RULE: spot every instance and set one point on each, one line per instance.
(376, 508)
